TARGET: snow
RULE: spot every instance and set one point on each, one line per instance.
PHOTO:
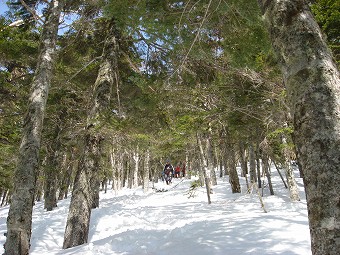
(160, 223)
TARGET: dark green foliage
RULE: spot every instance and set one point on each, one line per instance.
(18, 54)
(21, 10)
(327, 14)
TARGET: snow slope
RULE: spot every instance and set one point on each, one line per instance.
(162, 223)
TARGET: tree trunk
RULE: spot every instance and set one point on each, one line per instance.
(252, 163)
(230, 162)
(19, 221)
(4, 196)
(266, 170)
(146, 171)
(85, 193)
(134, 173)
(66, 169)
(258, 166)
(113, 163)
(243, 161)
(77, 225)
(205, 170)
(293, 188)
(233, 176)
(210, 159)
(312, 80)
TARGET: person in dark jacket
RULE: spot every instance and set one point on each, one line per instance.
(168, 172)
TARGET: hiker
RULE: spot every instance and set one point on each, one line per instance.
(183, 169)
(168, 172)
(178, 171)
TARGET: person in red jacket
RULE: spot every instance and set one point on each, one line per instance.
(178, 171)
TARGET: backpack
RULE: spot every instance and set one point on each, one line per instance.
(167, 170)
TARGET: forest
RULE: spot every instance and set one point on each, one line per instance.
(100, 93)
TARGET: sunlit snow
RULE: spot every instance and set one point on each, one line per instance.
(161, 223)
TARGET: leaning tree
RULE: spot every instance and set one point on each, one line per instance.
(312, 80)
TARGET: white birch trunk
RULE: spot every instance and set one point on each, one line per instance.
(136, 159)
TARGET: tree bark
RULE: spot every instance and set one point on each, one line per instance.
(258, 166)
(135, 170)
(313, 90)
(205, 170)
(252, 163)
(210, 158)
(230, 163)
(266, 170)
(233, 176)
(19, 221)
(85, 193)
(292, 185)
(243, 160)
(146, 172)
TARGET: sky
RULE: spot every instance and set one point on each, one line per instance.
(3, 6)
(170, 223)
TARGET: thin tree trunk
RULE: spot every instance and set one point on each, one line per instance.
(312, 80)
(114, 166)
(210, 159)
(4, 195)
(252, 163)
(135, 171)
(293, 188)
(51, 176)
(233, 176)
(266, 170)
(200, 172)
(258, 166)
(69, 173)
(146, 171)
(243, 160)
(280, 174)
(129, 174)
(230, 164)
(64, 177)
(205, 170)
(19, 221)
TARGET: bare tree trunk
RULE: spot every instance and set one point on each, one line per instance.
(134, 175)
(51, 176)
(312, 80)
(205, 170)
(243, 159)
(129, 174)
(266, 170)
(19, 221)
(258, 166)
(4, 196)
(230, 164)
(114, 167)
(146, 171)
(252, 163)
(210, 159)
(293, 188)
(233, 176)
(278, 170)
(66, 169)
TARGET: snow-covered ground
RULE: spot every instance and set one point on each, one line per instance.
(162, 223)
